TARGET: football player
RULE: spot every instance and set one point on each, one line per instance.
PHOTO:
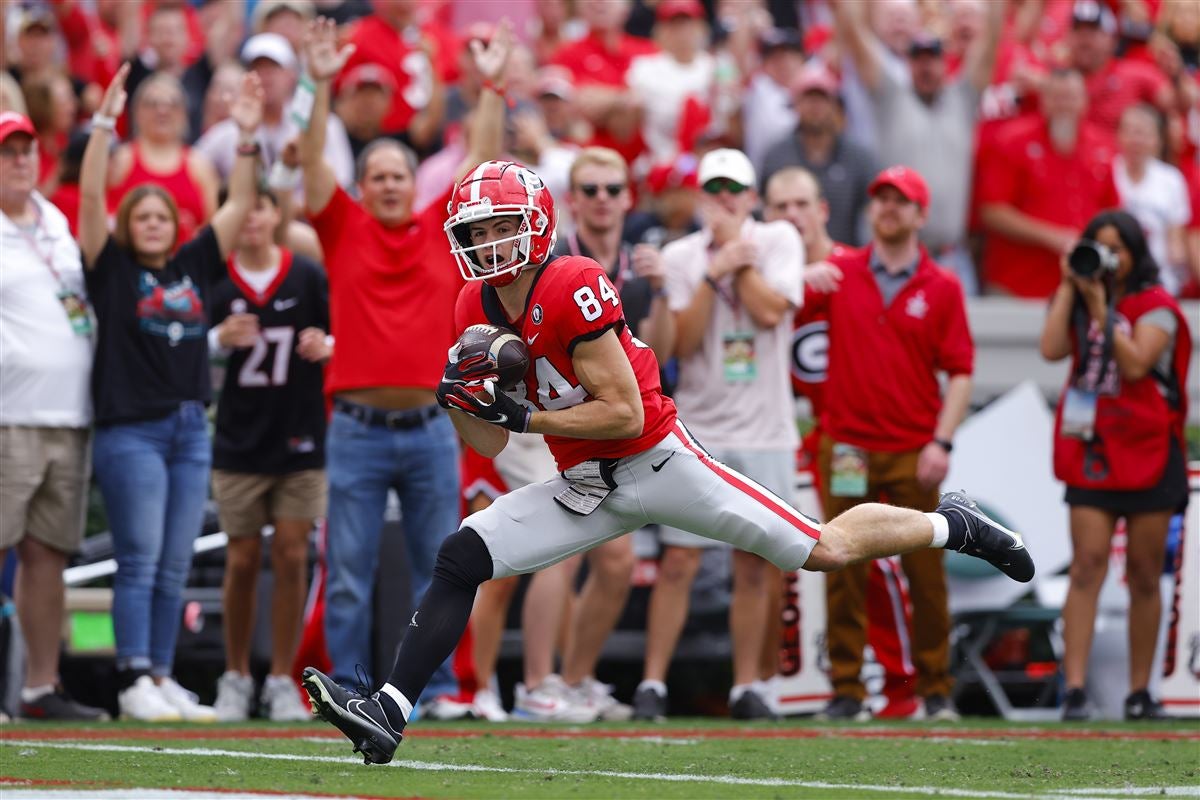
(592, 390)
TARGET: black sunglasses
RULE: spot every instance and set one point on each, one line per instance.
(718, 185)
(593, 189)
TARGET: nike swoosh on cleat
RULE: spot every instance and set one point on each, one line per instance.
(353, 707)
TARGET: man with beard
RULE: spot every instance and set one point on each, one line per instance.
(1044, 178)
(896, 320)
(842, 167)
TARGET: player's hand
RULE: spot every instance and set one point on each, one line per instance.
(481, 400)
(313, 345)
(321, 51)
(238, 331)
(823, 277)
(647, 263)
(932, 465)
(460, 370)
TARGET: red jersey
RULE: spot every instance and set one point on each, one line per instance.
(571, 301)
(591, 62)
(882, 391)
(188, 196)
(399, 53)
(1119, 85)
(1027, 173)
(391, 296)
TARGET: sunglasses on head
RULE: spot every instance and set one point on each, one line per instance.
(593, 189)
(718, 185)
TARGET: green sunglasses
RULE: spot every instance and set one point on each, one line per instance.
(718, 185)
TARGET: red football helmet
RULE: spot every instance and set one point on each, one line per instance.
(499, 188)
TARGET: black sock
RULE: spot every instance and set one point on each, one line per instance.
(463, 563)
(128, 677)
(957, 536)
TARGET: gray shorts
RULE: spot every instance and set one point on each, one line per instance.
(674, 483)
(44, 475)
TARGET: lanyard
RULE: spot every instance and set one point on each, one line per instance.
(623, 267)
(47, 257)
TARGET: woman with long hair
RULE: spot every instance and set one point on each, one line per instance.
(150, 386)
(159, 154)
(1119, 444)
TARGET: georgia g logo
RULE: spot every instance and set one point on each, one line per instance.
(529, 179)
(810, 352)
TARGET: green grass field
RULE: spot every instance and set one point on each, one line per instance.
(686, 759)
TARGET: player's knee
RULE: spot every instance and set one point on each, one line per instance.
(463, 560)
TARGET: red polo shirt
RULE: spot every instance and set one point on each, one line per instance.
(391, 296)
(1025, 172)
(882, 391)
(592, 62)
(399, 53)
(1119, 85)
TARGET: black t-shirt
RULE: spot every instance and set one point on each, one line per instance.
(152, 350)
(271, 415)
(636, 293)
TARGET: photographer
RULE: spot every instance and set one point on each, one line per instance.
(1118, 436)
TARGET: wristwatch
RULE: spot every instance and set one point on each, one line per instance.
(945, 444)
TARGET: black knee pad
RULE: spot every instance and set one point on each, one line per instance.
(463, 560)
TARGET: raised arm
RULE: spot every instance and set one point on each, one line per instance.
(981, 57)
(325, 61)
(93, 210)
(487, 132)
(246, 112)
(853, 26)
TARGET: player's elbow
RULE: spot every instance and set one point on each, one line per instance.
(629, 419)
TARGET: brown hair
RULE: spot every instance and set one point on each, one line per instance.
(600, 157)
(134, 196)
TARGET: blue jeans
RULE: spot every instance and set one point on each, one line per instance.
(154, 478)
(362, 463)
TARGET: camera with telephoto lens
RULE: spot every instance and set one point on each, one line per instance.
(1090, 258)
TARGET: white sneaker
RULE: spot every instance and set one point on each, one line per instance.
(487, 706)
(185, 702)
(599, 696)
(235, 695)
(445, 708)
(552, 701)
(280, 699)
(145, 703)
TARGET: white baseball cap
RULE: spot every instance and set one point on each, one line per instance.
(726, 163)
(271, 46)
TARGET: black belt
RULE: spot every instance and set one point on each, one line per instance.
(392, 420)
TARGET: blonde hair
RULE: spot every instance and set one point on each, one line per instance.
(598, 157)
(11, 98)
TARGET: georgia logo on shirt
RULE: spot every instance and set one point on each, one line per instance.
(917, 307)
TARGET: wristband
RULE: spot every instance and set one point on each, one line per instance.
(945, 444)
(500, 90)
(103, 122)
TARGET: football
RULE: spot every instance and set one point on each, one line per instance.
(499, 349)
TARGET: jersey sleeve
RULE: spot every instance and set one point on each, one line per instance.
(586, 305)
(956, 352)
(330, 222)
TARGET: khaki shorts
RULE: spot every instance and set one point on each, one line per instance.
(247, 501)
(44, 474)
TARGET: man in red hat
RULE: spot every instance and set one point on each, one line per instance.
(46, 336)
(896, 320)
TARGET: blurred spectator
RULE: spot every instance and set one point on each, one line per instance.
(45, 411)
(530, 143)
(818, 143)
(52, 109)
(927, 121)
(270, 57)
(158, 154)
(38, 45)
(391, 279)
(287, 18)
(733, 286)
(1179, 25)
(11, 97)
(889, 28)
(1113, 83)
(364, 97)
(672, 208)
(269, 319)
(1045, 178)
(392, 37)
(167, 52)
(555, 94)
(599, 63)
(553, 28)
(99, 36)
(768, 110)
(221, 91)
(674, 87)
(66, 192)
(1153, 191)
(897, 321)
(1119, 441)
(150, 385)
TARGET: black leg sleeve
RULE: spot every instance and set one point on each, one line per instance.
(463, 562)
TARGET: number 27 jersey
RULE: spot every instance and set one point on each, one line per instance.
(571, 301)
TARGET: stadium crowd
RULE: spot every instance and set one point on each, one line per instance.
(273, 194)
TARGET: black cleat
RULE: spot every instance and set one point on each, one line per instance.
(988, 539)
(844, 708)
(360, 717)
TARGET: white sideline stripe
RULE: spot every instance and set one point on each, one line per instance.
(728, 780)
